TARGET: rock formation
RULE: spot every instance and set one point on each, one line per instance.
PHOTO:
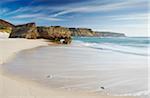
(85, 32)
(55, 33)
(109, 34)
(82, 32)
(28, 31)
(5, 26)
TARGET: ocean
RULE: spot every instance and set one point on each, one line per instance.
(129, 45)
(108, 66)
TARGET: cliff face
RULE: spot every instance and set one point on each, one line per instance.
(55, 33)
(109, 34)
(28, 31)
(82, 32)
(5, 26)
(85, 32)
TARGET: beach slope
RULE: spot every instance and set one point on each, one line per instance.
(11, 87)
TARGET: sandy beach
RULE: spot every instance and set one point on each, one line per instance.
(11, 87)
(74, 49)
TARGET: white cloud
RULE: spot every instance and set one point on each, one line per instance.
(50, 18)
(3, 11)
(37, 17)
(130, 17)
(100, 8)
(121, 22)
(84, 7)
(27, 9)
(28, 16)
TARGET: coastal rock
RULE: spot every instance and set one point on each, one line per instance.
(5, 26)
(109, 34)
(82, 32)
(28, 31)
(86, 32)
(55, 33)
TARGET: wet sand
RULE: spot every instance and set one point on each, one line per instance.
(11, 87)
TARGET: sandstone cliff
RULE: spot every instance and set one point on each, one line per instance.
(31, 31)
(55, 33)
(5, 26)
(28, 31)
(86, 32)
(82, 32)
(109, 34)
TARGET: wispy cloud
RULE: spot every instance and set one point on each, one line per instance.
(95, 13)
(3, 11)
(85, 7)
(101, 8)
(39, 16)
(44, 12)
(130, 17)
(28, 16)
(51, 19)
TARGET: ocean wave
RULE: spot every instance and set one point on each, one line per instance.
(115, 48)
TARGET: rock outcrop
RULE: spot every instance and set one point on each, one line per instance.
(28, 31)
(55, 33)
(5, 26)
(85, 32)
(82, 32)
(109, 34)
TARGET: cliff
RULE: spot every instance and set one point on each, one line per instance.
(28, 31)
(5, 26)
(55, 33)
(31, 31)
(109, 34)
(85, 32)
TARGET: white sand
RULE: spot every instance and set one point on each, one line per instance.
(4, 35)
(8, 47)
(11, 87)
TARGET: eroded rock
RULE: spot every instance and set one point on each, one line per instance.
(28, 31)
(55, 33)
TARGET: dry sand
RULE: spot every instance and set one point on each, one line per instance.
(11, 87)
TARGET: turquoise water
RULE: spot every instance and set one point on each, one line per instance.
(125, 41)
(129, 45)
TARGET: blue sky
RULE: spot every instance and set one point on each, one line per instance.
(125, 16)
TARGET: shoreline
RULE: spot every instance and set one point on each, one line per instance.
(13, 87)
(11, 46)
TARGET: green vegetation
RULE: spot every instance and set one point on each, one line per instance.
(5, 29)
